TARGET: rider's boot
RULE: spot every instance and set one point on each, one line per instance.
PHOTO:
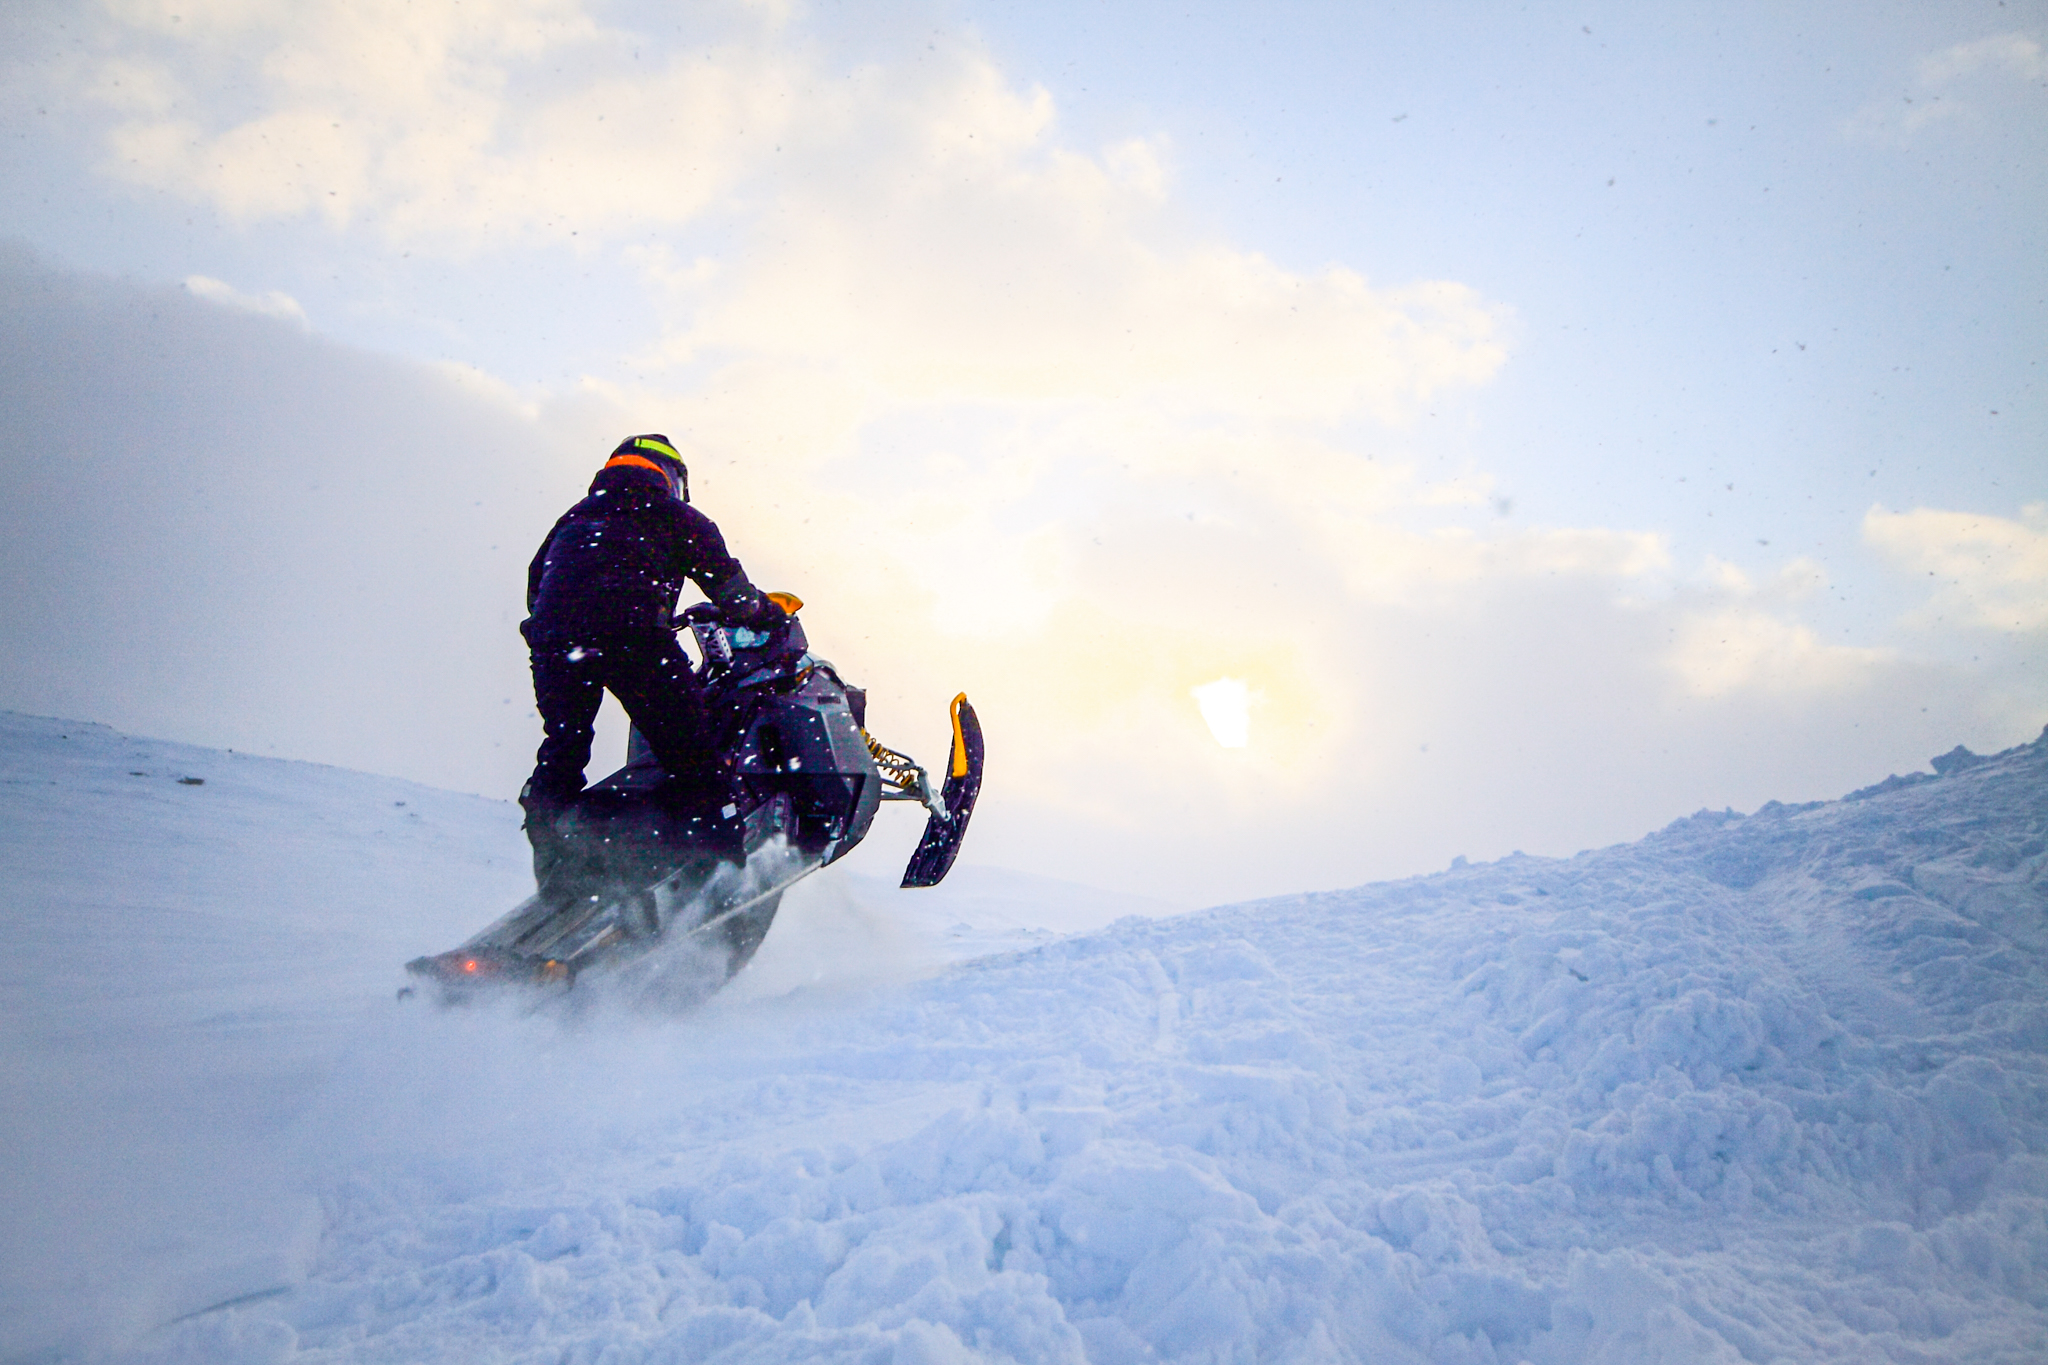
(543, 825)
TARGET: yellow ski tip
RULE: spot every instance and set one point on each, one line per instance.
(959, 765)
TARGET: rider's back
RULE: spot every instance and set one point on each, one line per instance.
(617, 560)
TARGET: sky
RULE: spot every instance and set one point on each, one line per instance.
(1323, 440)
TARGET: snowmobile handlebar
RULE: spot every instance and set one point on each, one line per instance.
(773, 638)
(714, 614)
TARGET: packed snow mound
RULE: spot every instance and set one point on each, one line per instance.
(191, 936)
(1763, 1088)
(197, 938)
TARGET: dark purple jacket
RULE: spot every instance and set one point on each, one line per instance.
(617, 560)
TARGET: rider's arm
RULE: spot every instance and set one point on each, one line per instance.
(712, 567)
(535, 570)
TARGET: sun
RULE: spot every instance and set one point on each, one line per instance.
(1227, 707)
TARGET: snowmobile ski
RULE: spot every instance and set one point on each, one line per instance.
(947, 825)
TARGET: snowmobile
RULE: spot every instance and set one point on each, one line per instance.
(643, 864)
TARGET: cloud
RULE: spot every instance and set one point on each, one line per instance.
(219, 528)
(935, 243)
(439, 126)
(1989, 572)
(1738, 648)
(1968, 82)
(911, 230)
(271, 303)
(2012, 54)
(988, 401)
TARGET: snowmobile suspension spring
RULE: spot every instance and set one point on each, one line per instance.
(899, 769)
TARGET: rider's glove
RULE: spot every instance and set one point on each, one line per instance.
(749, 607)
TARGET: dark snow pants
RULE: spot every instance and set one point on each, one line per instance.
(649, 674)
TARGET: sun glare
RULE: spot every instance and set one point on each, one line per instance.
(1227, 707)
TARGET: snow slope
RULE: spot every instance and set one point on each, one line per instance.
(1757, 1088)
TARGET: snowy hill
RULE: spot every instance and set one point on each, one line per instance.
(1754, 1088)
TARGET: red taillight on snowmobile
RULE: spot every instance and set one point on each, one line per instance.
(463, 971)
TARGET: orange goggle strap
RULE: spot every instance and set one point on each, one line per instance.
(675, 473)
(638, 461)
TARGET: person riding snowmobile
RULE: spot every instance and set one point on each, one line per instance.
(600, 597)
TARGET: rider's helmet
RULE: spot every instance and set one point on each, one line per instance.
(654, 452)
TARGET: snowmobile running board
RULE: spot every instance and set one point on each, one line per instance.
(459, 967)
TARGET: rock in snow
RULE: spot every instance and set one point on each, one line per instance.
(1762, 1088)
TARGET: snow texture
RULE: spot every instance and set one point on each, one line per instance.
(1754, 1088)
